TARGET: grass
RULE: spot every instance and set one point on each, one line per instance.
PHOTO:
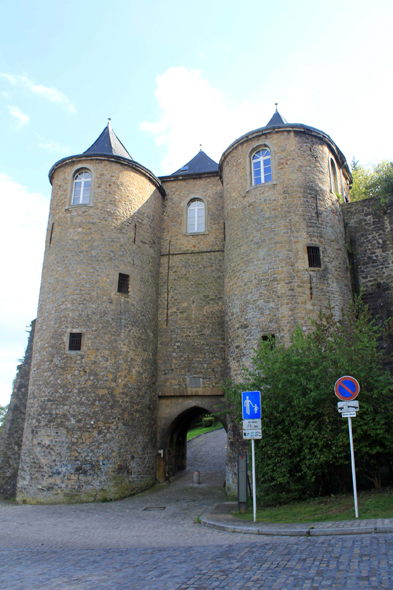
(201, 430)
(372, 504)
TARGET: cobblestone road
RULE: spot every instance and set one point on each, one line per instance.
(121, 545)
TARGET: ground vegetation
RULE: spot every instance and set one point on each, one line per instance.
(305, 450)
(374, 182)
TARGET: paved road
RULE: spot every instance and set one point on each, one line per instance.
(121, 545)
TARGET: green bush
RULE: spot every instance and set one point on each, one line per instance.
(207, 421)
(305, 451)
(377, 182)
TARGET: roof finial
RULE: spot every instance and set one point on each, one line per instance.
(200, 147)
(109, 122)
(276, 103)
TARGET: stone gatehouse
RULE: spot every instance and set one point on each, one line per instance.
(156, 290)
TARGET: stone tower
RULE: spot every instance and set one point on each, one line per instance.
(90, 430)
(285, 254)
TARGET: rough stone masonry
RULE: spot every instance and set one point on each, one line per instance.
(156, 290)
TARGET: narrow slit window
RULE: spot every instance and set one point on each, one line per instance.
(333, 177)
(75, 341)
(269, 338)
(123, 283)
(314, 257)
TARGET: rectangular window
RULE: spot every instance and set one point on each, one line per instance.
(269, 338)
(123, 283)
(314, 257)
(75, 341)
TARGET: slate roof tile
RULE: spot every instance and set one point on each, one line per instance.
(108, 143)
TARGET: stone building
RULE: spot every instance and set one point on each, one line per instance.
(156, 290)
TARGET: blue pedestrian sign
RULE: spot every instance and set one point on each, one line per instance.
(251, 404)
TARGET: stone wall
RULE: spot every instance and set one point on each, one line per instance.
(370, 243)
(91, 417)
(12, 432)
(191, 337)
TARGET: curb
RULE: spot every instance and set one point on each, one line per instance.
(307, 530)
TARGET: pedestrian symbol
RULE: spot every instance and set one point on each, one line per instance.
(251, 403)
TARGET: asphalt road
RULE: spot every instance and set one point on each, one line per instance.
(153, 542)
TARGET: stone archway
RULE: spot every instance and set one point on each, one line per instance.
(174, 418)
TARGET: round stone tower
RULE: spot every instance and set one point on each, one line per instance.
(285, 255)
(90, 430)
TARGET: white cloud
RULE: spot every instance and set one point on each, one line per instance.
(52, 146)
(22, 118)
(22, 234)
(51, 94)
(194, 112)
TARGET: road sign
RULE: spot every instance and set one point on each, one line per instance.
(251, 407)
(348, 406)
(346, 388)
(252, 434)
(251, 404)
(252, 424)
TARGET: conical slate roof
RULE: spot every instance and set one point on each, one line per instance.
(200, 163)
(108, 143)
(277, 119)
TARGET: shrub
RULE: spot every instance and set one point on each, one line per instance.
(305, 451)
(207, 421)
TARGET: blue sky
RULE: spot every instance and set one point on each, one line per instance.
(171, 75)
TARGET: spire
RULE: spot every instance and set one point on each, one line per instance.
(199, 164)
(277, 119)
(108, 143)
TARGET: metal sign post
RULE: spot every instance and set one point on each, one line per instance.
(254, 485)
(252, 429)
(347, 389)
(242, 484)
(355, 492)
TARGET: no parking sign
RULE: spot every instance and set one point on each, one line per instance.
(346, 388)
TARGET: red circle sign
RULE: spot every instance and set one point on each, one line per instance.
(346, 388)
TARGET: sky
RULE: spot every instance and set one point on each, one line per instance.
(171, 75)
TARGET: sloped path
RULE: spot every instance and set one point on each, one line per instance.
(121, 545)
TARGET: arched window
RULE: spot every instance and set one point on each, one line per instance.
(196, 216)
(261, 164)
(333, 177)
(82, 188)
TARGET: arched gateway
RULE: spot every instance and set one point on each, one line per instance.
(174, 418)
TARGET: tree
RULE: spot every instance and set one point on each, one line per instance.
(304, 451)
(377, 182)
